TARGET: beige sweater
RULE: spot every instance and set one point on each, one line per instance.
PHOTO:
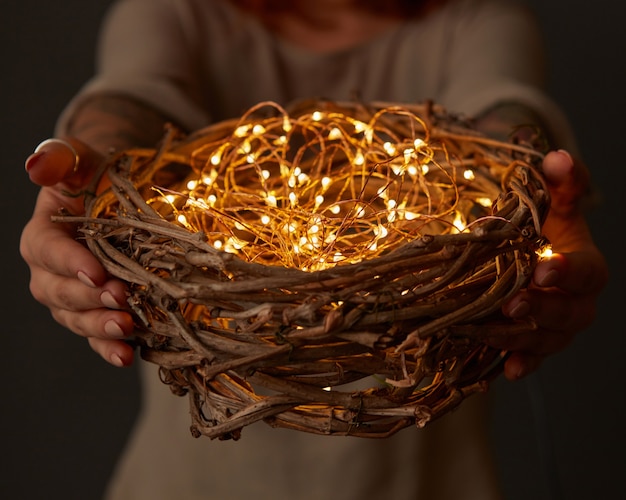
(200, 61)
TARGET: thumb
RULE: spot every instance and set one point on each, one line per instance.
(568, 181)
(67, 161)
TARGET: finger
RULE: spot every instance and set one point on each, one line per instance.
(105, 324)
(51, 247)
(65, 160)
(539, 342)
(552, 309)
(72, 294)
(568, 181)
(581, 273)
(519, 364)
(116, 352)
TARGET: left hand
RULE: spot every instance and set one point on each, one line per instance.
(562, 295)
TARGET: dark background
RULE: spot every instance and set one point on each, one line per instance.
(65, 413)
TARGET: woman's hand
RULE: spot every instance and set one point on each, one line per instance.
(562, 296)
(65, 276)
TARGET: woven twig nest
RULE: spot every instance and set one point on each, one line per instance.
(332, 269)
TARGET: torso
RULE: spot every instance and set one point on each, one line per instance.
(333, 29)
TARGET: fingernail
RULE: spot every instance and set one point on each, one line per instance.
(548, 279)
(116, 360)
(520, 310)
(86, 280)
(63, 143)
(566, 153)
(32, 160)
(113, 330)
(108, 300)
(521, 372)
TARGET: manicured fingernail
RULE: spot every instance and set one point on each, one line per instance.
(108, 300)
(32, 160)
(63, 143)
(116, 360)
(86, 280)
(520, 310)
(113, 330)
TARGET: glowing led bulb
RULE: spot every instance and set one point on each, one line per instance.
(545, 252)
(210, 178)
(245, 147)
(390, 148)
(258, 129)
(334, 134)
(216, 158)
(381, 231)
(286, 124)
(458, 222)
(359, 210)
(293, 199)
(359, 159)
(241, 131)
(359, 126)
(270, 199)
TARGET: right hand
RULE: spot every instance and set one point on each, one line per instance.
(65, 276)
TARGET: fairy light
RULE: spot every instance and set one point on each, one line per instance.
(545, 252)
(324, 189)
(278, 196)
(459, 222)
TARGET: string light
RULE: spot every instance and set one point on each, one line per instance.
(256, 191)
(427, 226)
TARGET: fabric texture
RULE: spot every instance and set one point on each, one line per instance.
(201, 61)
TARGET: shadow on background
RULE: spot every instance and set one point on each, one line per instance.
(66, 414)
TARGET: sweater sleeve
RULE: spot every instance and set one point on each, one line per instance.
(147, 51)
(496, 55)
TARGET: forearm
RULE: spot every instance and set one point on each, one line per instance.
(113, 122)
(509, 120)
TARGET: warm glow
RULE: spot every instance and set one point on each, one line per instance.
(324, 189)
(545, 252)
